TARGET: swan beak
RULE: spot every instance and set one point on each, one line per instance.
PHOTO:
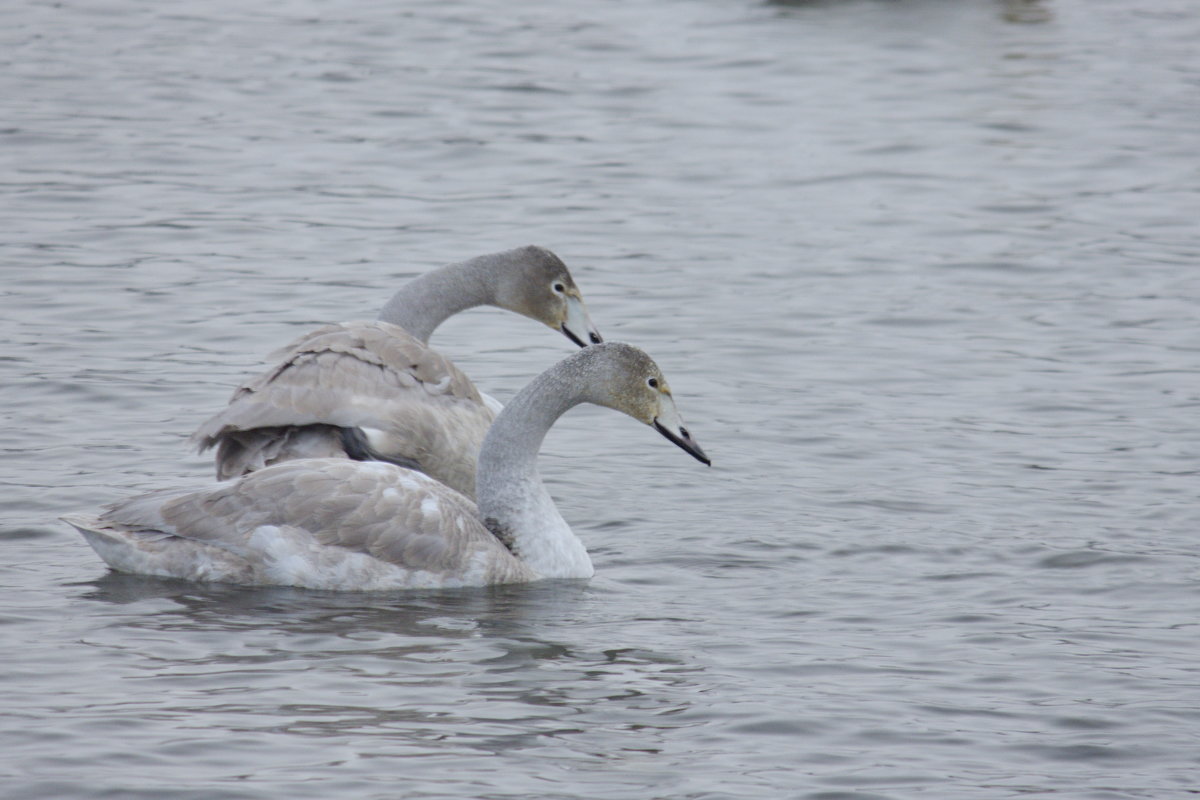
(578, 326)
(669, 424)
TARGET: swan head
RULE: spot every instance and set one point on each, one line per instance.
(540, 286)
(630, 382)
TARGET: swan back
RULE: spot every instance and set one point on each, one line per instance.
(365, 382)
(377, 391)
(316, 523)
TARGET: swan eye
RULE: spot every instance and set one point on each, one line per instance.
(652, 383)
(558, 288)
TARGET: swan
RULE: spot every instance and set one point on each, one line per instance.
(339, 524)
(377, 391)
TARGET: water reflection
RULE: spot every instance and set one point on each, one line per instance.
(504, 628)
(1018, 11)
(483, 672)
(1027, 12)
(196, 606)
(904, 252)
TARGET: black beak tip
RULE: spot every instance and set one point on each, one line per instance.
(686, 444)
(699, 455)
(566, 332)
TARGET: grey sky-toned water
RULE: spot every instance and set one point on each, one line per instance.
(922, 274)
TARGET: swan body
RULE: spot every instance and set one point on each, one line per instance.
(324, 523)
(339, 524)
(378, 391)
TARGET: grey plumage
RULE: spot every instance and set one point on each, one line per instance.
(379, 383)
(321, 523)
(370, 376)
(349, 525)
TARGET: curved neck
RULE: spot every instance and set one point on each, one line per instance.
(430, 299)
(513, 501)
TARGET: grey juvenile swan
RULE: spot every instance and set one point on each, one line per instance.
(377, 391)
(351, 525)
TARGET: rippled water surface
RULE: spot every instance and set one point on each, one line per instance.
(923, 275)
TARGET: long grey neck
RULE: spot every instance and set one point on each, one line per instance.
(430, 299)
(513, 501)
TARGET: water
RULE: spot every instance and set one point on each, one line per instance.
(923, 275)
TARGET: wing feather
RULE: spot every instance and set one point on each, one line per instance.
(323, 523)
(416, 405)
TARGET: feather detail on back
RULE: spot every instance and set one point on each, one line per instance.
(412, 404)
(320, 524)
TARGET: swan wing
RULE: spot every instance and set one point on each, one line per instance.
(405, 401)
(320, 523)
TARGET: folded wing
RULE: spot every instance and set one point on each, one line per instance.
(322, 524)
(363, 390)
